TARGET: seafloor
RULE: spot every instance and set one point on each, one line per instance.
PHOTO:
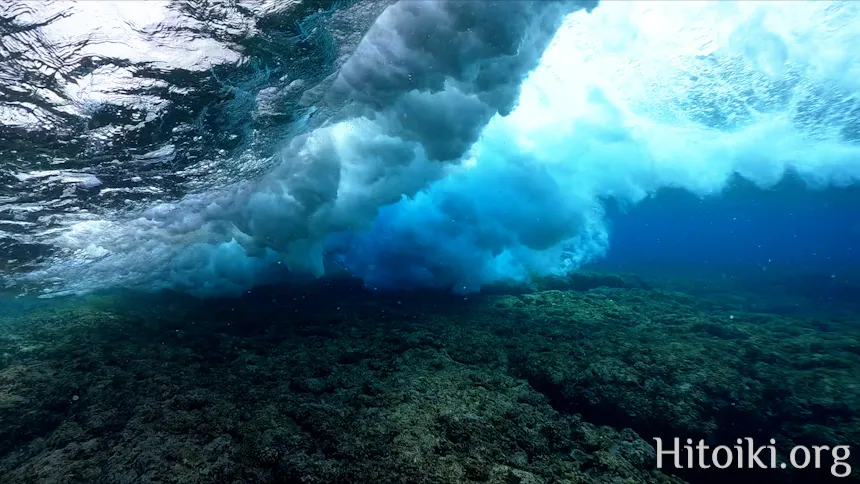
(332, 384)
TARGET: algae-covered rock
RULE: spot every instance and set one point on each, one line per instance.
(334, 385)
(675, 366)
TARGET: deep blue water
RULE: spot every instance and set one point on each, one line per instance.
(789, 228)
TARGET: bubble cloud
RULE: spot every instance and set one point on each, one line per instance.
(475, 142)
(411, 100)
(628, 100)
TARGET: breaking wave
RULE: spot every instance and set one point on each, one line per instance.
(422, 143)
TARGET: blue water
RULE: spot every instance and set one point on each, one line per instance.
(787, 228)
(425, 240)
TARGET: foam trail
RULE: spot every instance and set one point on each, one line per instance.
(416, 94)
(632, 98)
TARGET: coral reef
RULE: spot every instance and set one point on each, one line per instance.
(333, 384)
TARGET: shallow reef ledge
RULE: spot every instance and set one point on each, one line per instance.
(334, 384)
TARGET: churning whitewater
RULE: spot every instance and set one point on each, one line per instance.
(436, 144)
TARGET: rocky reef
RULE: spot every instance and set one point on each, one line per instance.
(333, 384)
